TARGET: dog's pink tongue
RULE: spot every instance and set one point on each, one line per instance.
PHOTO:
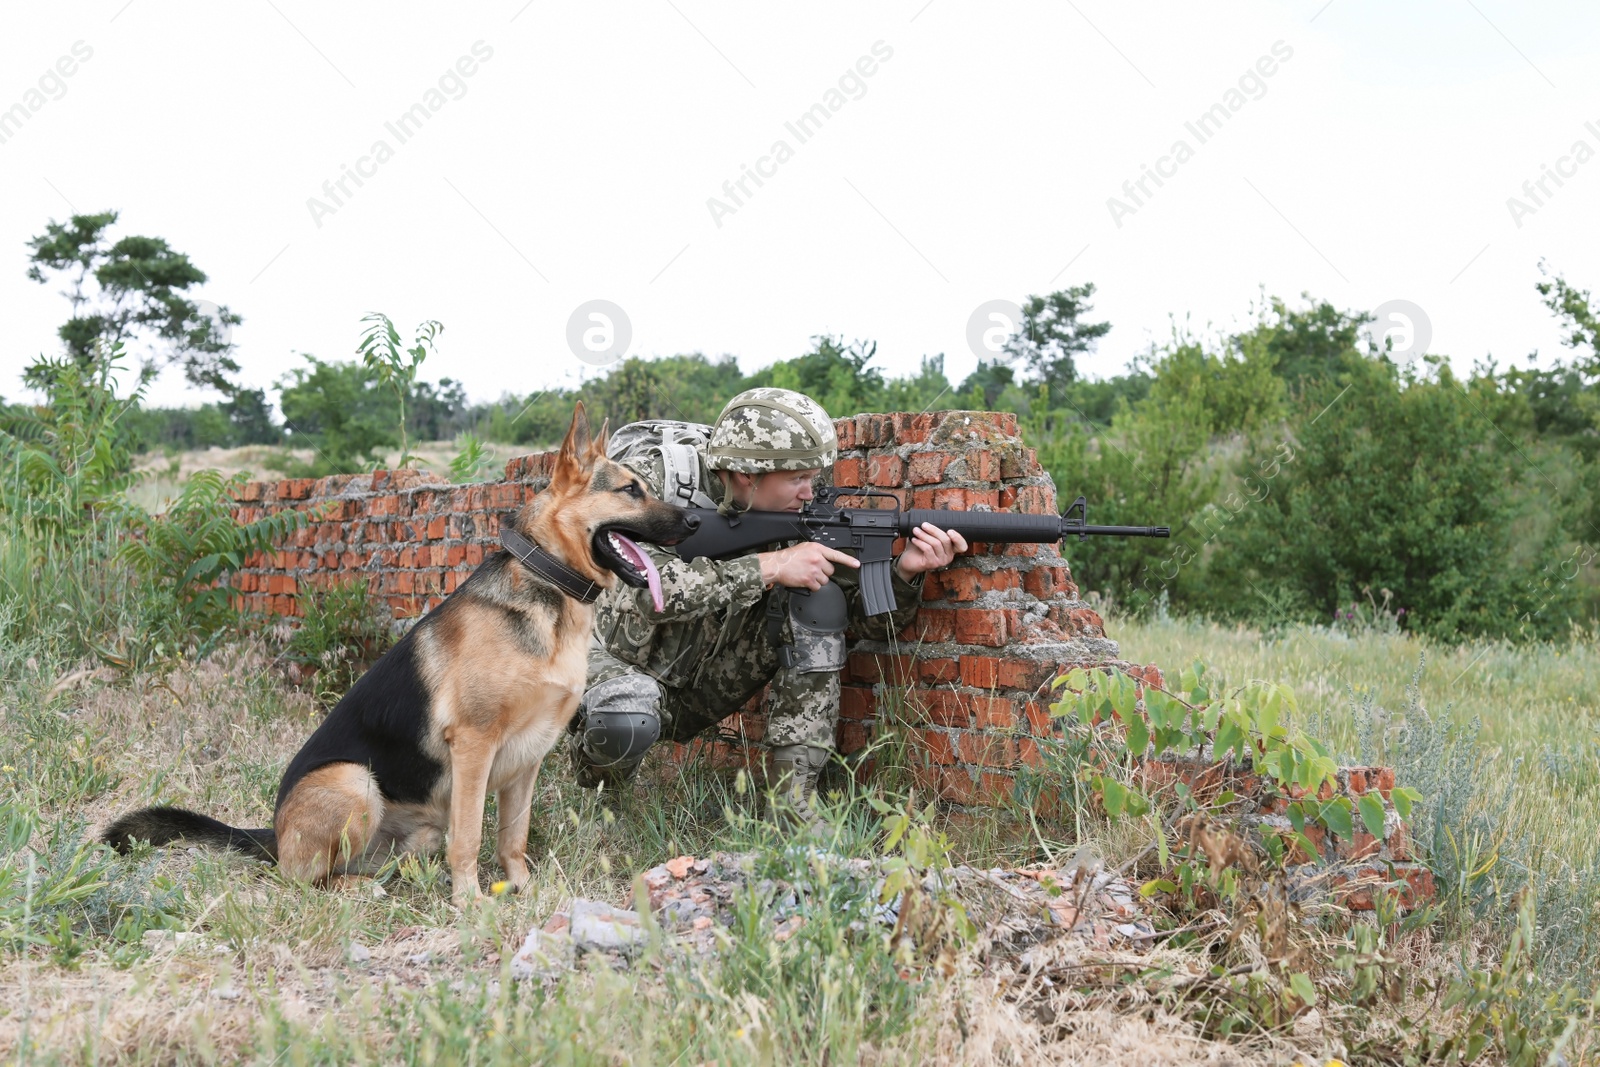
(637, 556)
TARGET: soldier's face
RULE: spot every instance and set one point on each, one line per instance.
(778, 491)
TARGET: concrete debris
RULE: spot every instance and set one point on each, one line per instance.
(693, 900)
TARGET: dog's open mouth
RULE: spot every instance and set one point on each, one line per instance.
(628, 561)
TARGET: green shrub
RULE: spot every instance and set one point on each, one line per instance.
(341, 633)
(182, 556)
(1402, 481)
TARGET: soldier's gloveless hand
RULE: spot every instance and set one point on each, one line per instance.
(928, 549)
(803, 566)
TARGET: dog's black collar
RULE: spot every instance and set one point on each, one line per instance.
(547, 566)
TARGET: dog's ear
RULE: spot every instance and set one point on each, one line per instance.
(601, 440)
(576, 458)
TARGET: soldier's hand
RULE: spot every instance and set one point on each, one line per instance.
(804, 566)
(929, 549)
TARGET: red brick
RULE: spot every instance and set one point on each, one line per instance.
(984, 626)
(965, 499)
(1360, 847)
(936, 744)
(996, 789)
(969, 583)
(940, 707)
(933, 671)
(922, 498)
(873, 431)
(847, 472)
(885, 470)
(1318, 838)
(1018, 464)
(856, 703)
(1399, 843)
(1029, 753)
(933, 625)
(983, 466)
(1040, 721)
(1045, 582)
(956, 784)
(994, 713)
(844, 432)
(928, 467)
(911, 429)
(861, 667)
(1026, 674)
(1035, 500)
(980, 672)
(987, 750)
(852, 737)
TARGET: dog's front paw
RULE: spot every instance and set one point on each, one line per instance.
(517, 874)
(464, 890)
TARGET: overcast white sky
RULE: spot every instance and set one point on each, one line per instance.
(579, 157)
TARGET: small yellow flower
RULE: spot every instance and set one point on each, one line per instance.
(7, 768)
(499, 887)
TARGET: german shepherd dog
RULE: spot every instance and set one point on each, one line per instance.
(470, 700)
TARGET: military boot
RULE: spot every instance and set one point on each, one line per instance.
(794, 775)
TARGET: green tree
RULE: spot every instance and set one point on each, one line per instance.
(924, 391)
(139, 290)
(340, 410)
(395, 367)
(1052, 335)
(834, 374)
(982, 389)
(1313, 342)
(1579, 317)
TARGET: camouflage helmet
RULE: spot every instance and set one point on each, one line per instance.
(763, 430)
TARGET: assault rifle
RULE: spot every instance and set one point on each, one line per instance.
(870, 532)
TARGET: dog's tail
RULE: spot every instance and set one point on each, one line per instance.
(159, 826)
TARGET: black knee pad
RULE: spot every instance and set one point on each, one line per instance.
(619, 719)
(817, 619)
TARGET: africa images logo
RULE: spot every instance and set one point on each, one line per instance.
(805, 126)
(1252, 85)
(405, 126)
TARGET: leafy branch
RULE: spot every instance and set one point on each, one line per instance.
(395, 366)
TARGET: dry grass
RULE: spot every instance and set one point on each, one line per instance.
(165, 474)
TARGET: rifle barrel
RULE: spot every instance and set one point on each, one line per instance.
(1123, 531)
(1002, 527)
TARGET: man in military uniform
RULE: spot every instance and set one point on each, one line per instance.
(725, 629)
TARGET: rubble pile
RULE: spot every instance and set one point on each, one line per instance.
(693, 903)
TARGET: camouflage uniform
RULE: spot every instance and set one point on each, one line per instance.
(712, 646)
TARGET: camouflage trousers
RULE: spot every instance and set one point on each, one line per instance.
(802, 705)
